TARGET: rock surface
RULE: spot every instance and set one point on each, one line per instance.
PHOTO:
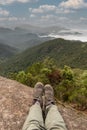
(75, 120)
(15, 101)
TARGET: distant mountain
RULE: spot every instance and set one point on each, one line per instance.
(37, 29)
(65, 52)
(6, 52)
(69, 33)
(5, 30)
(25, 36)
(20, 38)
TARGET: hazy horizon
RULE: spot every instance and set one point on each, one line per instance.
(68, 14)
(63, 32)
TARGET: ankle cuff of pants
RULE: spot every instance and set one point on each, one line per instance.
(49, 105)
(48, 108)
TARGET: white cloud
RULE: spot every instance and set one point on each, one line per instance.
(43, 9)
(50, 9)
(4, 2)
(63, 18)
(12, 19)
(52, 19)
(48, 17)
(4, 12)
(32, 16)
(39, 10)
(3, 19)
(74, 4)
(64, 11)
(83, 18)
(6, 19)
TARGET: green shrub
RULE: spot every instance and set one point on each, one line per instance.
(84, 78)
(67, 73)
(21, 77)
(69, 86)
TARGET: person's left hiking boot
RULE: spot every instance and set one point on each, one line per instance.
(38, 93)
(49, 95)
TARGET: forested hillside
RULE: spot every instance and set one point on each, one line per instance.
(6, 52)
(65, 52)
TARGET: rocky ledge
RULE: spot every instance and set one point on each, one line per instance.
(15, 101)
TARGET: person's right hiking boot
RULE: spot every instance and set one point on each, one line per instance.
(49, 95)
(38, 93)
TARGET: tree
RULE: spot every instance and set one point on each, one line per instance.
(67, 73)
(21, 77)
(84, 78)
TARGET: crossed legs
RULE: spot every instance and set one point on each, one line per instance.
(53, 119)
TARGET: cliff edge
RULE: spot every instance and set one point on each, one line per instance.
(15, 101)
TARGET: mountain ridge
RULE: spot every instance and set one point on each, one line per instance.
(65, 52)
(20, 38)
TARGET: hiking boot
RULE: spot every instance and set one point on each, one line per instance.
(49, 95)
(38, 93)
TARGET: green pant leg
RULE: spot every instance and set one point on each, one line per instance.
(54, 120)
(34, 119)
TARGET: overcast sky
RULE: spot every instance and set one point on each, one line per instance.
(67, 13)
